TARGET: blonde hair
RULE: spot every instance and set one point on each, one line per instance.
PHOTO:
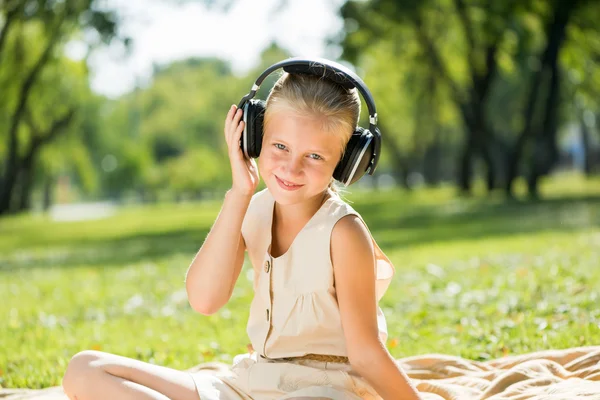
(337, 107)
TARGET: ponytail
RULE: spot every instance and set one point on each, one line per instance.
(336, 188)
(332, 186)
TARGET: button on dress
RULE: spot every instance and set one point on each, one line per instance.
(294, 312)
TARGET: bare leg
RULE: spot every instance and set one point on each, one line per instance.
(95, 375)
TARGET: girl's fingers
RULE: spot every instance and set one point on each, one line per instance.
(239, 130)
(237, 137)
(238, 116)
(234, 133)
(234, 127)
(228, 121)
(237, 126)
(229, 115)
(229, 118)
(232, 117)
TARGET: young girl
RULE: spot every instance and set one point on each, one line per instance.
(314, 323)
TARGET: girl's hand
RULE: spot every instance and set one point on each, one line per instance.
(244, 171)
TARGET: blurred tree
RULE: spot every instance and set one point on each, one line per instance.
(414, 117)
(51, 23)
(580, 60)
(181, 118)
(499, 62)
(59, 96)
(33, 34)
(465, 63)
(541, 133)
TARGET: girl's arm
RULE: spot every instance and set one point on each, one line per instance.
(212, 275)
(354, 265)
(215, 269)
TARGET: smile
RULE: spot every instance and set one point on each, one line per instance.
(287, 185)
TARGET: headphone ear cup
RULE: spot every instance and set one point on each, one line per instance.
(254, 112)
(357, 157)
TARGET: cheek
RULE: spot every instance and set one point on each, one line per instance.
(319, 170)
(262, 167)
(267, 156)
(267, 160)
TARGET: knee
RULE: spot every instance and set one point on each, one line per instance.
(80, 370)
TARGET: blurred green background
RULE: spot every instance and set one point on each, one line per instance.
(487, 196)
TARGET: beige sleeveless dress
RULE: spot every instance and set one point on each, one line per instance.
(294, 312)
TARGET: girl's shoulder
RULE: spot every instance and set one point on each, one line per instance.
(385, 268)
(339, 208)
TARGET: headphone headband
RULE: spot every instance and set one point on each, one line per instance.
(335, 72)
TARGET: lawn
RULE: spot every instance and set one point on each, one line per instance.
(476, 277)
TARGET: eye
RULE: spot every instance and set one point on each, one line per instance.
(279, 146)
(316, 156)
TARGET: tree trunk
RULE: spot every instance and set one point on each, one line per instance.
(38, 140)
(476, 143)
(432, 160)
(433, 151)
(465, 166)
(26, 182)
(555, 34)
(400, 164)
(11, 168)
(545, 154)
(48, 193)
(404, 179)
(585, 139)
(486, 154)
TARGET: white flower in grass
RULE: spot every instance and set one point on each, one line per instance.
(178, 297)
(133, 303)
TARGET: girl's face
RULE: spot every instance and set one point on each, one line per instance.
(297, 159)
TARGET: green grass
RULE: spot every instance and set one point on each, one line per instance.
(477, 277)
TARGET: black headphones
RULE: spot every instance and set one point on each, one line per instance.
(364, 147)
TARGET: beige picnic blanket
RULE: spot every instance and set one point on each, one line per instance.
(551, 374)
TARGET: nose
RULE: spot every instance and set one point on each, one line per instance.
(294, 166)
